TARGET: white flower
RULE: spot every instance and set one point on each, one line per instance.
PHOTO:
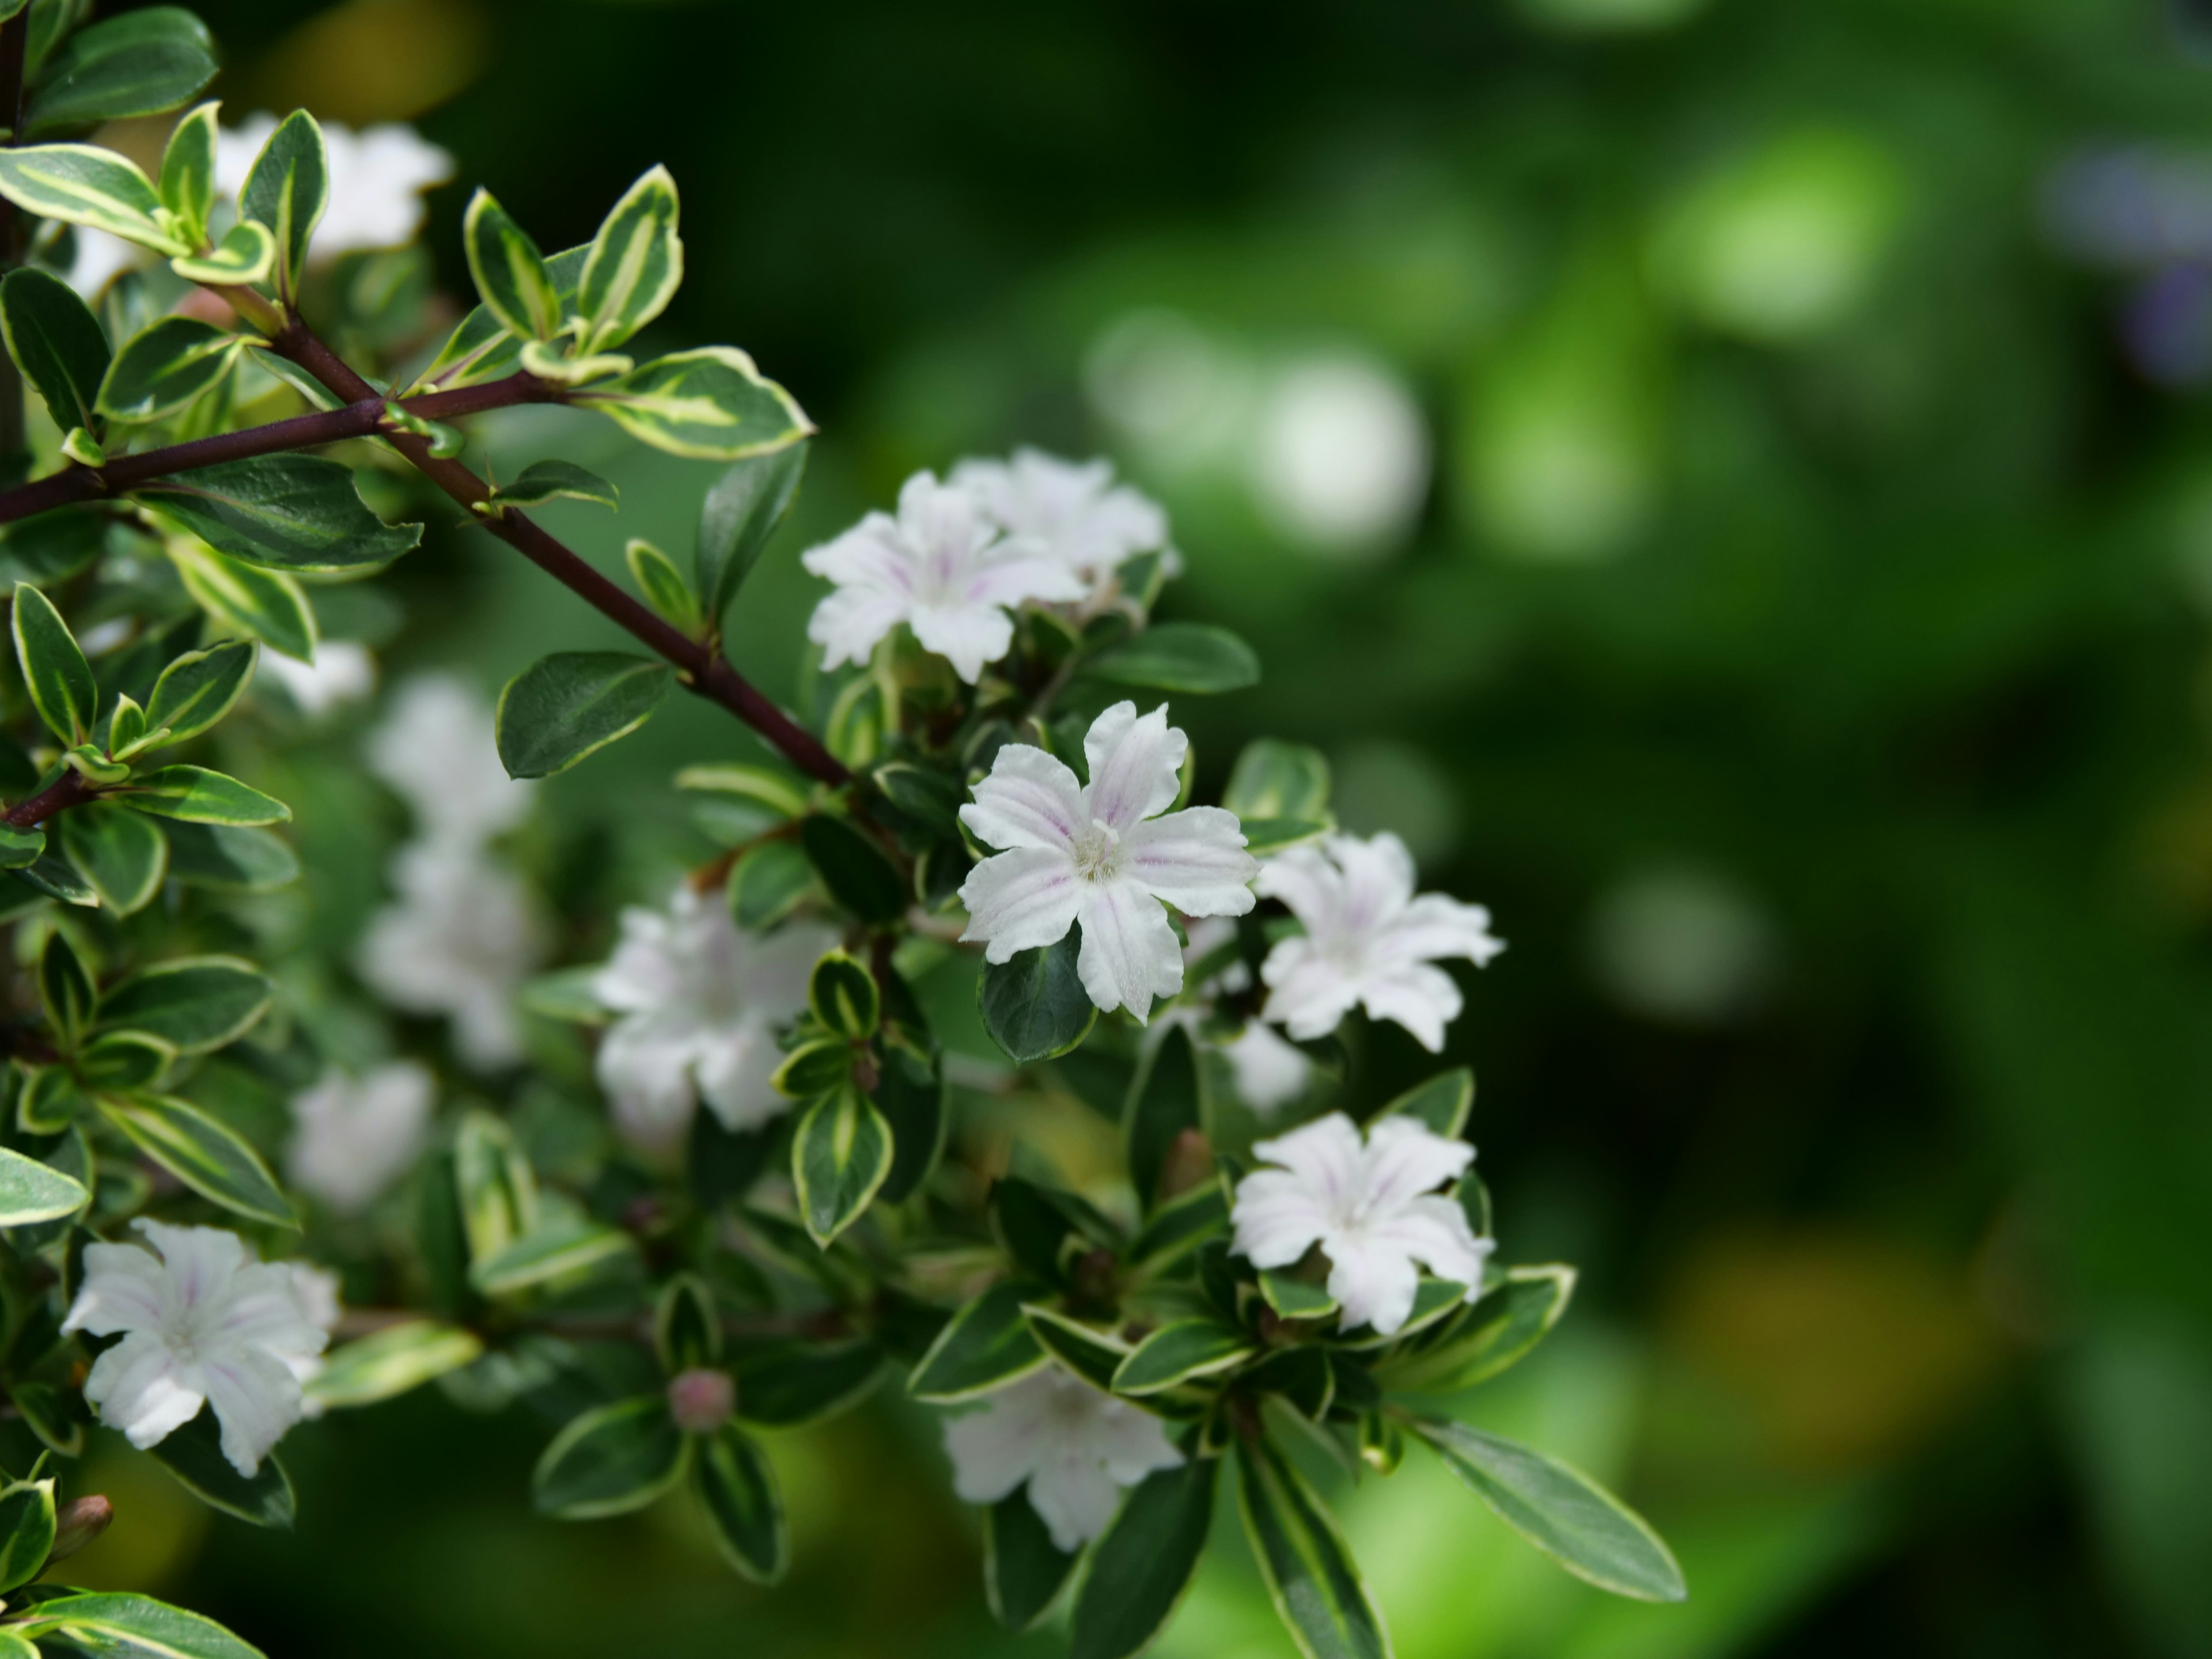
(202, 1322)
(1269, 1069)
(317, 1289)
(699, 1004)
(1368, 940)
(439, 748)
(940, 568)
(341, 672)
(99, 257)
(1374, 1209)
(1102, 855)
(1073, 509)
(459, 941)
(353, 1137)
(377, 176)
(1076, 1445)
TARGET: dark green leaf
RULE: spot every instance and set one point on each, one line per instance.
(568, 1247)
(57, 1416)
(118, 1624)
(735, 521)
(87, 185)
(1023, 1568)
(167, 367)
(662, 585)
(1265, 835)
(687, 1331)
(574, 703)
(839, 1158)
(509, 272)
(117, 1062)
(710, 403)
(635, 265)
(246, 254)
(58, 343)
(496, 1190)
(853, 869)
(1498, 1331)
(283, 512)
(768, 883)
(122, 853)
(550, 481)
(482, 348)
(1590, 1532)
(796, 1383)
(1191, 656)
(267, 604)
(1144, 1562)
(199, 687)
(206, 1155)
(27, 1531)
(814, 1068)
(187, 181)
(139, 64)
(54, 669)
(843, 994)
(198, 796)
(31, 1191)
(197, 1003)
(1165, 1102)
(52, 547)
(194, 1455)
(987, 1345)
(1179, 1352)
(1183, 1224)
(1090, 1353)
(611, 1461)
(1309, 1571)
(51, 876)
(51, 1102)
(1442, 1103)
(20, 847)
(1294, 1298)
(228, 857)
(1034, 1005)
(66, 991)
(737, 1490)
(286, 190)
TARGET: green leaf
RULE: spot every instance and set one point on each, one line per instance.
(498, 1192)
(1583, 1526)
(120, 1061)
(796, 1383)
(768, 884)
(1165, 1102)
(1442, 1103)
(57, 1416)
(58, 343)
(1310, 1577)
(611, 1461)
(52, 547)
(737, 1489)
(839, 1158)
(1180, 1225)
(283, 512)
(19, 847)
(27, 1530)
(635, 265)
(55, 671)
(187, 182)
(287, 191)
(206, 1155)
(194, 1455)
(1498, 1331)
(1144, 1562)
(509, 272)
(198, 796)
(687, 1332)
(116, 1625)
(229, 859)
(843, 994)
(986, 1345)
(31, 1191)
(265, 604)
(167, 367)
(779, 791)
(548, 481)
(1192, 657)
(126, 727)
(66, 992)
(85, 184)
(739, 514)
(1277, 779)
(245, 255)
(853, 869)
(1034, 1005)
(1180, 1352)
(1265, 835)
(51, 876)
(199, 687)
(1434, 1301)
(481, 347)
(1023, 1568)
(911, 1094)
(710, 403)
(1294, 1298)
(139, 64)
(1090, 1353)
(388, 1363)
(122, 853)
(663, 585)
(566, 993)
(196, 1003)
(51, 1102)
(574, 703)
(569, 1248)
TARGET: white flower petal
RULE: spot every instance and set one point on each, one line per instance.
(1030, 799)
(849, 624)
(970, 636)
(125, 1289)
(1374, 1281)
(1129, 953)
(1269, 1070)
(139, 1388)
(1406, 1159)
(1421, 998)
(1075, 1498)
(734, 1069)
(1194, 860)
(1020, 900)
(255, 1398)
(1135, 765)
(1435, 925)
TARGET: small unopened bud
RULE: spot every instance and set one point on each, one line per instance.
(1190, 1164)
(1093, 1274)
(701, 1400)
(78, 1521)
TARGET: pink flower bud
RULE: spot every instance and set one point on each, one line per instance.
(702, 1400)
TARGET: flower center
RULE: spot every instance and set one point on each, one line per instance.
(1097, 853)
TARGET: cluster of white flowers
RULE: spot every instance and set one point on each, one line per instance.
(699, 1002)
(463, 934)
(377, 178)
(202, 1323)
(960, 557)
(353, 1137)
(340, 671)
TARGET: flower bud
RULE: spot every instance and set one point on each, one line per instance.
(78, 1521)
(701, 1400)
(1188, 1164)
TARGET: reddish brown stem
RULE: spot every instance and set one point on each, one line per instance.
(64, 791)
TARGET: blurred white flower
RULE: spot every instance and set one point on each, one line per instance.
(202, 1322)
(1270, 1070)
(1340, 459)
(1075, 1445)
(100, 258)
(1073, 509)
(459, 941)
(377, 175)
(1105, 854)
(438, 747)
(1368, 940)
(941, 567)
(341, 672)
(1682, 944)
(1374, 1209)
(353, 1137)
(700, 1003)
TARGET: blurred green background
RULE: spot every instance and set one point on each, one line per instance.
(1726, 480)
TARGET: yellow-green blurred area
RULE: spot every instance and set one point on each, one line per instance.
(1695, 467)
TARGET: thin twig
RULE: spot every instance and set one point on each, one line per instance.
(64, 791)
